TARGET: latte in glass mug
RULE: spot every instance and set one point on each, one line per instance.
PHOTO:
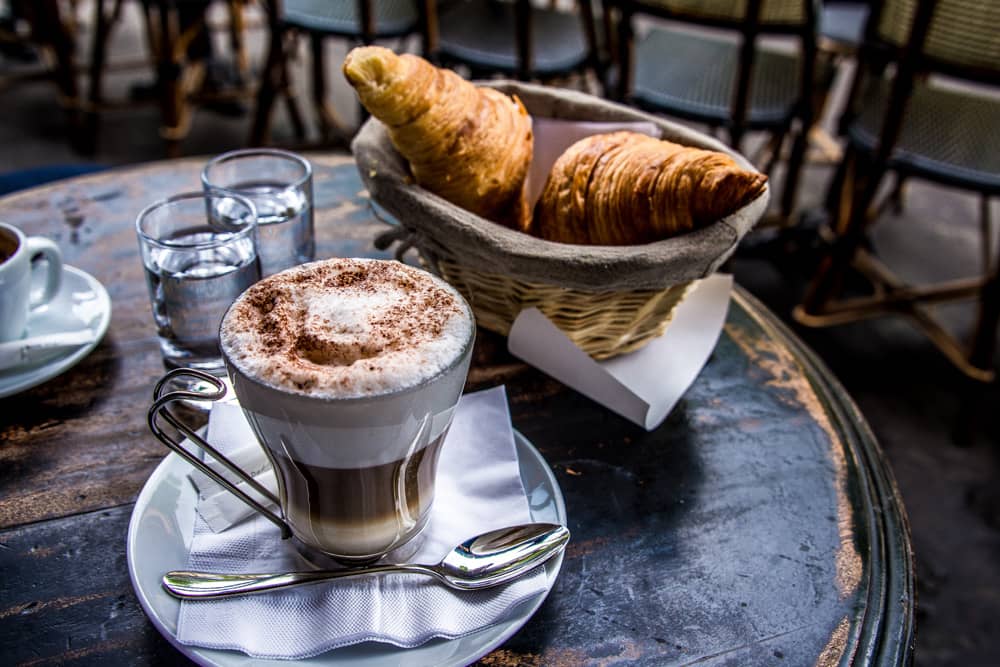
(349, 371)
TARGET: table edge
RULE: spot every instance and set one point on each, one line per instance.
(887, 631)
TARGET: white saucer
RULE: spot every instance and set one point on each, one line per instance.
(82, 302)
(159, 539)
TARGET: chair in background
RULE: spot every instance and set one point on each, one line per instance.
(902, 120)
(357, 21)
(52, 29)
(46, 27)
(841, 29)
(174, 29)
(516, 39)
(704, 61)
(78, 60)
(842, 26)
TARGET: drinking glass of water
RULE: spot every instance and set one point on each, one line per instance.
(279, 184)
(199, 251)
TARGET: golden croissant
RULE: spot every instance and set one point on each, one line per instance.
(469, 145)
(626, 188)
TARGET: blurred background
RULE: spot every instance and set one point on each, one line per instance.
(88, 84)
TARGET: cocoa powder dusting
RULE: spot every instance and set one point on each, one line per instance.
(328, 324)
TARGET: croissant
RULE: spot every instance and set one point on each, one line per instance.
(626, 188)
(469, 145)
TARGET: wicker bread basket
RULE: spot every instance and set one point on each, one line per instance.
(607, 299)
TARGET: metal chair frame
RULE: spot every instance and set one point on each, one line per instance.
(54, 30)
(738, 120)
(854, 208)
(526, 65)
(276, 81)
(178, 79)
(841, 31)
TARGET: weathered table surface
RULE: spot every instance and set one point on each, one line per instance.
(758, 525)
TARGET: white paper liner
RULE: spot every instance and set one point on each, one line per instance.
(642, 386)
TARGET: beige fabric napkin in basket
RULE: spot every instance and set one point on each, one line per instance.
(608, 300)
(441, 229)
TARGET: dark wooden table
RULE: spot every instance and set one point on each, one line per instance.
(758, 525)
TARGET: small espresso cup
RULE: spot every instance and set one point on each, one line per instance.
(18, 256)
(355, 469)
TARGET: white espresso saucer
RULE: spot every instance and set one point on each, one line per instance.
(82, 303)
(159, 539)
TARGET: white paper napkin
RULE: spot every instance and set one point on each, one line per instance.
(642, 386)
(553, 136)
(228, 432)
(478, 489)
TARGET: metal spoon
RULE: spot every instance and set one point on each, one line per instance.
(486, 560)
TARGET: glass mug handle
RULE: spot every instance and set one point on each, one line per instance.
(159, 410)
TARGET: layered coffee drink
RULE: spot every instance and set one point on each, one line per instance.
(349, 371)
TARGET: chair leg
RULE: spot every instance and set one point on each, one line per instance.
(294, 115)
(319, 85)
(273, 79)
(855, 195)
(985, 337)
(985, 229)
(983, 348)
(332, 128)
(767, 157)
(179, 72)
(49, 29)
(626, 44)
(59, 38)
(176, 115)
(237, 29)
(984, 343)
(98, 59)
(287, 93)
(523, 31)
(595, 60)
(796, 161)
(736, 137)
(834, 192)
(896, 196)
(260, 128)
(168, 78)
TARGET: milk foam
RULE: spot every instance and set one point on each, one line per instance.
(347, 328)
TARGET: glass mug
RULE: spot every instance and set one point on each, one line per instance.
(355, 473)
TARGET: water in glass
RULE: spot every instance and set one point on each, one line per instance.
(284, 224)
(191, 288)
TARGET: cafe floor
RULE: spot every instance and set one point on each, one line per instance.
(946, 462)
